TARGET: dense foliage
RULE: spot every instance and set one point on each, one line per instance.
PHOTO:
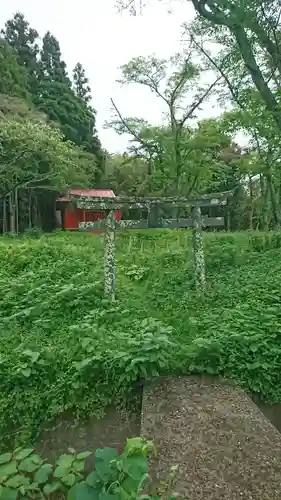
(63, 347)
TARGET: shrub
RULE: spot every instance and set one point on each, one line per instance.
(86, 368)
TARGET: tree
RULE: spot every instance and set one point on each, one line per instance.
(200, 145)
(81, 83)
(23, 39)
(249, 87)
(33, 152)
(83, 93)
(166, 144)
(252, 24)
(51, 64)
(126, 175)
(50, 87)
(35, 160)
(14, 77)
(36, 94)
(16, 108)
(264, 151)
(249, 63)
(58, 100)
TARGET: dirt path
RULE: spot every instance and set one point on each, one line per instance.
(225, 448)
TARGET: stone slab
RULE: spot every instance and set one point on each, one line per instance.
(225, 448)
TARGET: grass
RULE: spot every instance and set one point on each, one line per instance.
(62, 346)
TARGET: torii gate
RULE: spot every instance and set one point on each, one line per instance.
(152, 205)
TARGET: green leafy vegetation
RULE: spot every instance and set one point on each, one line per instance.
(63, 347)
(24, 474)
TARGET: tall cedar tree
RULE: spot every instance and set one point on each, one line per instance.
(49, 85)
(83, 92)
(59, 101)
(51, 63)
(23, 39)
(14, 77)
(81, 83)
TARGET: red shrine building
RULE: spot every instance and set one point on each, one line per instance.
(68, 216)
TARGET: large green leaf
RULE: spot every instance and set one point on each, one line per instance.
(130, 485)
(9, 494)
(69, 480)
(36, 459)
(135, 466)
(32, 487)
(8, 469)
(26, 372)
(106, 454)
(43, 473)
(78, 465)
(17, 480)
(109, 496)
(6, 457)
(28, 465)
(61, 471)
(83, 455)
(65, 460)
(33, 355)
(92, 479)
(103, 464)
(124, 495)
(51, 487)
(79, 365)
(104, 472)
(82, 491)
(21, 454)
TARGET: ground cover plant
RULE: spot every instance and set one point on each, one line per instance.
(103, 475)
(63, 347)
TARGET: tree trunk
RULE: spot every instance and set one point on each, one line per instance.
(16, 211)
(4, 226)
(273, 199)
(236, 28)
(264, 216)
(247, 54)
(12, 213)
(251, 211)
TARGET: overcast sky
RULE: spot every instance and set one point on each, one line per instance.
(91, 32)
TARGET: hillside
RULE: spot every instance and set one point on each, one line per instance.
(64, 347)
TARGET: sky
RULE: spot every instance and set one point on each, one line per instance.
(93, 33)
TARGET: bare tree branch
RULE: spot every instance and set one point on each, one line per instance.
(25, 184)
(217, 67)
(198, 102)
(138, 138)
